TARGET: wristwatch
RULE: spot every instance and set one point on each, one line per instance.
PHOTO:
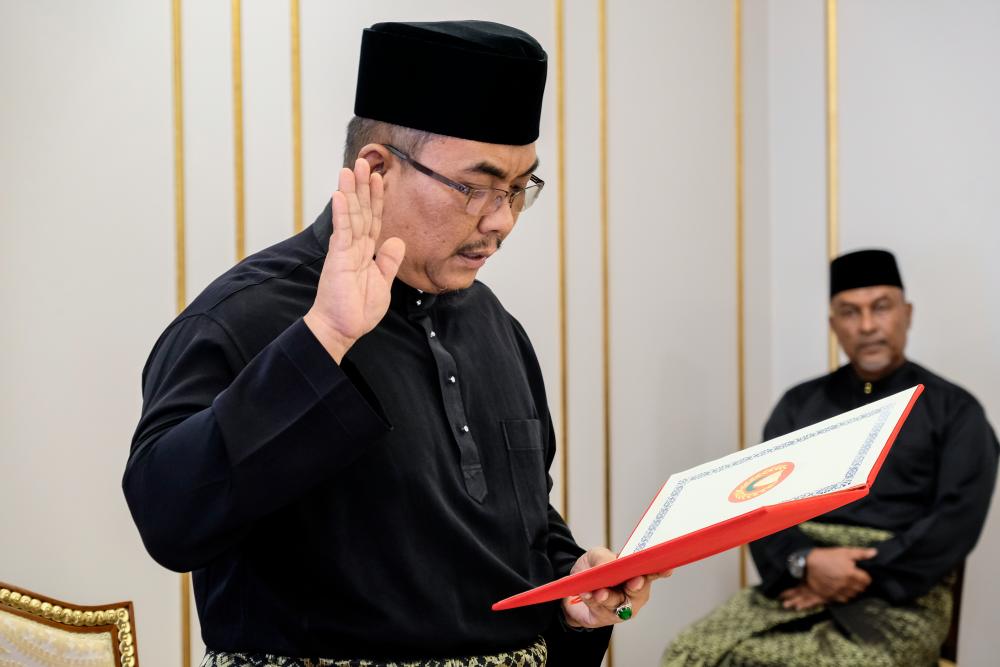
(796, 563)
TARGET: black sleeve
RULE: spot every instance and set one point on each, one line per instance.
(563, 550)
(566, 646)
(912, 562)
(570, 647)
(222, 442)
(562, 547)
(770, 554)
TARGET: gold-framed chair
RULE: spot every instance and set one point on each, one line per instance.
(44, 632)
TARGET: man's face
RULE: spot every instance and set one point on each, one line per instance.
(446, 246)
(871, 325)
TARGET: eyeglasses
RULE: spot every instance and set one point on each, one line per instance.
(481, 201)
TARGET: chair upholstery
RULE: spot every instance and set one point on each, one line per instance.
(37, 631)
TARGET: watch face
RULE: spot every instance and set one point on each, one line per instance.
(797, 564)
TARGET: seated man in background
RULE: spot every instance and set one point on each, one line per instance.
(866, 584)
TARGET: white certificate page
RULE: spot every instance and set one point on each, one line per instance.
(830, 456)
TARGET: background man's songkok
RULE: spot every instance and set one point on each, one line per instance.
(468, 79)
(863, 268)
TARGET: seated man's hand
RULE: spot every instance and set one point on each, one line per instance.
(833, 573)
(800, 598)
(596, 609)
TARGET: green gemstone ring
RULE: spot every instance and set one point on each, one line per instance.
(624, 610)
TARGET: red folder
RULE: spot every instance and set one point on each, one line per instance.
(708, 541)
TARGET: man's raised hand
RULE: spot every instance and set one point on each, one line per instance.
(354, 286)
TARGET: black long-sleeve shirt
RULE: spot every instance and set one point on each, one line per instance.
(932, 492)
(371, 509)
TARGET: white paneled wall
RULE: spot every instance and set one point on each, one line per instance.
(206, 43)
(793, 157)
(673, 278)
(267, 112)
(88, 266)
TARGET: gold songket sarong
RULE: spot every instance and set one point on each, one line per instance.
(532, 656)
(753, 630)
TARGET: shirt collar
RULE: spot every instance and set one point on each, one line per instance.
(895, 381)
(410, 301)
(322, 228)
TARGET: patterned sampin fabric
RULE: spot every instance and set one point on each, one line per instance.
(533, 656)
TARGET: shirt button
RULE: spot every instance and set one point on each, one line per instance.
(433, 334)
(466, 428)
(451, 379)
(419, 302)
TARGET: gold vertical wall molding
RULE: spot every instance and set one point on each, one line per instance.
(180, 254)
(602, 50)
(237, 33)
(296, 117)
(179, 204)
(605, 273)
(185, 583)
(740, 219)
(560, 17)
(832, 162)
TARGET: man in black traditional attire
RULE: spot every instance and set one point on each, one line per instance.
(866, 585)
(355, 467)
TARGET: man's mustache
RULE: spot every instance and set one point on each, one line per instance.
(491, 243)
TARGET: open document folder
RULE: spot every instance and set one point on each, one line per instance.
(747, 495)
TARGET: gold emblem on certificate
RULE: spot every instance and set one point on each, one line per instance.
(761, 482)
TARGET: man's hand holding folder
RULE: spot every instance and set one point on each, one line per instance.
(595, 609)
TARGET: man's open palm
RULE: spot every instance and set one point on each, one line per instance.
(354, 287)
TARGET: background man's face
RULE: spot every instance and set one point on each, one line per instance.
(445, 246)
(871, 325)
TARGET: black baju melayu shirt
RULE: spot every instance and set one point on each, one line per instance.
(932, 492)
(372, 509)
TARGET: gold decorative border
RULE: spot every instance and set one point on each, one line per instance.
(832, 162)
(118, 617)
(237, 32)
(740, 270)
(296, 117)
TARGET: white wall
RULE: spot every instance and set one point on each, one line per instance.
(86, 283)
(88, 268)
(673, 278)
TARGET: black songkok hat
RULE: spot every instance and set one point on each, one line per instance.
(467, 79)
(863, 268)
